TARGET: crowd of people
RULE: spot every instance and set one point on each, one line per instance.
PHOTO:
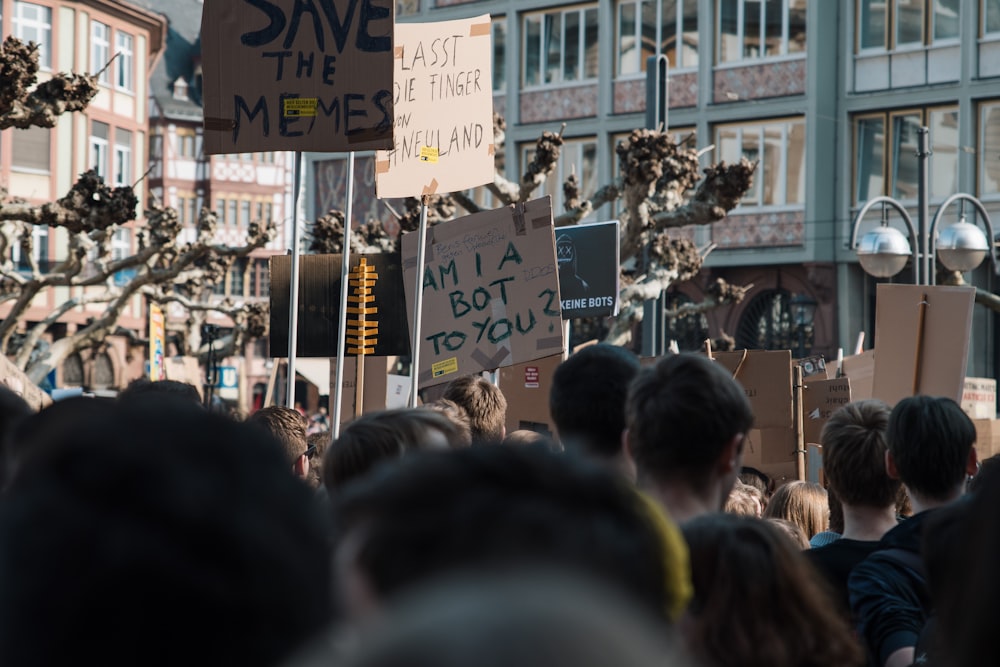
(149, 530)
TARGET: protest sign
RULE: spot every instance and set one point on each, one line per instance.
(319, 305)
(820, 398)
(766, 377)
(292, 75)
(860, 368)
(526, 387)
(442, 110)
(588, 269)
(157, 343)
(921, 340)
(374, 388)
(490, 291)
(979, 398)
(772, 451)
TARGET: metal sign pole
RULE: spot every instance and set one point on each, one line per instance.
(418, 305)
(338, 389)
(293, 300)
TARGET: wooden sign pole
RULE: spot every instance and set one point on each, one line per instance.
(361, 331)
(800, 444)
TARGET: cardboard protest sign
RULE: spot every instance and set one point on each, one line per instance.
(442, 110)
(491, 295)
(291, 75)
(766, 377)
(588, 269)
(987, 438)
(921, 340)
(375, 385)
(860, 368)
(526, 387)
(820, 398)
(979, 398)
(319, 305)
(772, 451)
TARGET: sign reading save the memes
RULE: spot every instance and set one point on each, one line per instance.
(293, 75)
(442, 110)
(491, 295)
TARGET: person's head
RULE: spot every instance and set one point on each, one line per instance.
(759, 480)
(587, 399)
(498, 509)
(553, 619)
(687, 418)
(802, 503)
(143, 386)
(854, 447)
(384, 436)
(457, 415)
(988, 473)
(317, 443)
(930, 447)
(151, 532)
(484, 403)
(757, 600)
(744, 500)
(13, 410)
(792, 530)
(527, 438)
(288, 427)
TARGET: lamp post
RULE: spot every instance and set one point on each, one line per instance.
(803, 310)
(883, 251)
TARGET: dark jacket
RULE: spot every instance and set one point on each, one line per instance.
(890, 599)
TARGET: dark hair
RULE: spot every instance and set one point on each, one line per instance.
(155, 531)
(484, 403)
(854, 446)
(143, 386)
(930, 439)
(457, 415)
(587, 399)
(681, 413)
(318, 443)
(500, 509)
(757, 600)
(285, 425)
(13, 410)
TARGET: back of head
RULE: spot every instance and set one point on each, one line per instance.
(457, 415)
(152, 532)
(587, 399)
(757, 600)
(804, 504)
(13, 409)
(172, 388)
(556, 620)
(501, 508)
(744, 500)
(681, 413)
(854, 446)
(484, 403)
(929, 439)
(285, 425)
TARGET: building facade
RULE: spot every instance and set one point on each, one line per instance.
(40, 165)
(825, 95)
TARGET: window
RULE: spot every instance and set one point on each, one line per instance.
(237, 273)
(192, 210)
(578, 156)
(754, 29)
(885, 153)
(99, 148)
(767, 324)
(123, 157)
(893, 24)
(30, 149)
(988, 151)
(244, 214)
(123, 69)
(499, 29)
(185, 143)
(653, 27)
(121, 243)
(268, 212)
(40, 249)
(990, 19)
(100, 50)
(232, 217)
(259, 285)
(33, 23)
(780, 148)
(220, 210)
(560, 46)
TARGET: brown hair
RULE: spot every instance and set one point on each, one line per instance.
(802, 503)
(854, 446)
(757, 602)
(285, 425)
(457, 415)
(745, 500)
(484, 403)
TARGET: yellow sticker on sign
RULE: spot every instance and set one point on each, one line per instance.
(444, 367)
(429, 154)
(297, 107)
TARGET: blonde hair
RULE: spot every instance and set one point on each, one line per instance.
(802, 503)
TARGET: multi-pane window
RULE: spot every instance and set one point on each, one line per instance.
(754, 29)
(237, 274)
(33, 23)
(126, 60)
(220, 210)
(259, 285)
(30, 149)
(123, 157)
(499, 30)
(988, 151)
(185, 143)
(244, 214)
(779, 147)
(233, 217)
(652, 27)
(121, 243)
(40, 249)
(560, 46)
(885, 153)
(578, 156)
(99, 148)
(990, 19)
(100, 50)
(901, 24)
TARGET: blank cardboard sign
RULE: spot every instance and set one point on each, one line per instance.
(860, 368)
(921, 341)
(526, 387)
(766, 377)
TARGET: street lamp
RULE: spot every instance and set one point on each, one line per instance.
(883, 251)
(803, 312)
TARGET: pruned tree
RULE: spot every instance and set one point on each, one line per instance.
(164, 267)
(661, 186)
